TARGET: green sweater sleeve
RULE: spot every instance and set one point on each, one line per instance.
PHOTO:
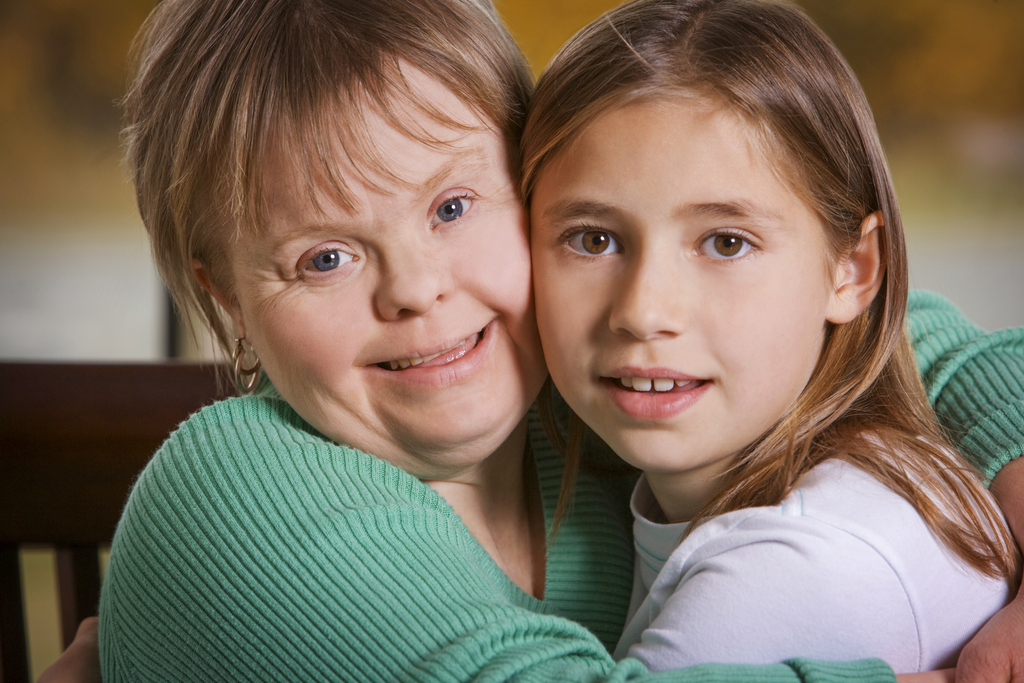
(252, 549)
(974, 380)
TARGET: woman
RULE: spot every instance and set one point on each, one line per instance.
(340, 181)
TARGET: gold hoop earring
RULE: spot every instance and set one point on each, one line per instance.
(246, 378)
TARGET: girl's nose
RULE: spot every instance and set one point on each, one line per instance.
(411, 283)
(648, 303)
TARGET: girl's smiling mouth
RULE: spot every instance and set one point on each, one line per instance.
(658, 385)
(653, 394)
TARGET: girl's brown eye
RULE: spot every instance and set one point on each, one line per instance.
(728, 245)
(593, 243)
(596, 242)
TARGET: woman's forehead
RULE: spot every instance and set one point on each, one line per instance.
(404, 140)
(389, 163)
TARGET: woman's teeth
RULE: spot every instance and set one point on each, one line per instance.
(657, 384)
(409, 362)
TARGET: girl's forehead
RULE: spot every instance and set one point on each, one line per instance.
(696, 157)
(765, 147)
(682, 119)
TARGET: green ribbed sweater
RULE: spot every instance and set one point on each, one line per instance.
(252, 549)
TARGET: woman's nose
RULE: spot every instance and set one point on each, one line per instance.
(648, 301)
(411, 283)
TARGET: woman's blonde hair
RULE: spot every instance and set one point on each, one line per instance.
(220, 85)
(864, 403)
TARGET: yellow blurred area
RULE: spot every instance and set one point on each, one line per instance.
(941, 66)
(62, 67)
(542, 27)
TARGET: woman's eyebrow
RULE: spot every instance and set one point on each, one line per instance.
(473, 157)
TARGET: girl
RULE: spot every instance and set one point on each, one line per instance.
(721, 285)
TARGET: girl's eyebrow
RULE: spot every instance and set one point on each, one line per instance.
(731, 209)
(569, 209)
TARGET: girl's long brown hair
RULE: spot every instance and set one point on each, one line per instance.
(864, 403)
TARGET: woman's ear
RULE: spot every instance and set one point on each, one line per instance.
(858, 277)
(229, 304)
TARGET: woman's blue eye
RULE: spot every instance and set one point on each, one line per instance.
(451, 209)
(594, 243)
(329, 260)
(726, 246)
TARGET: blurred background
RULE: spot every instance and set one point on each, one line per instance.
(945, 79)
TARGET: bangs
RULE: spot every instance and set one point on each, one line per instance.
(309, 86)
(332, 139)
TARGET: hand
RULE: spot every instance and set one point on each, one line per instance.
(996, 653)
(80, 663)
(940, 676)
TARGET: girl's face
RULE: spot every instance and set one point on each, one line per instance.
(402, 325)
(682, 288)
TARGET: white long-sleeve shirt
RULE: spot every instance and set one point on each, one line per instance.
(842, 569)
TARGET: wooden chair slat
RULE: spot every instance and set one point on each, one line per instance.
(73, 437)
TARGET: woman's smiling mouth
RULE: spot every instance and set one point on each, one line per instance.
(444, 357)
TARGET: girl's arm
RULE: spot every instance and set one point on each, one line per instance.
(80, 663)
(843, 568)
(996, 654)
(975, 381)
(940, 676)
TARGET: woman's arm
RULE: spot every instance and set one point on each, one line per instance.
(976, 384)
(974, 380)
(252, 550)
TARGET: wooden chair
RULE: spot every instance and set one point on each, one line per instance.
(72, 439)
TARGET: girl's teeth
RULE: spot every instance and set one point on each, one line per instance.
(641, 384)
(647, 384)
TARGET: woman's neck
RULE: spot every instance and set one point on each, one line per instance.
(499, 502)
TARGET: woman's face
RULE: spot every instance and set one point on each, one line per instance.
(402, 325)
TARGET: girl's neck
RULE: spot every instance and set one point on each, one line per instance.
(501, 506)
(682, 494)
